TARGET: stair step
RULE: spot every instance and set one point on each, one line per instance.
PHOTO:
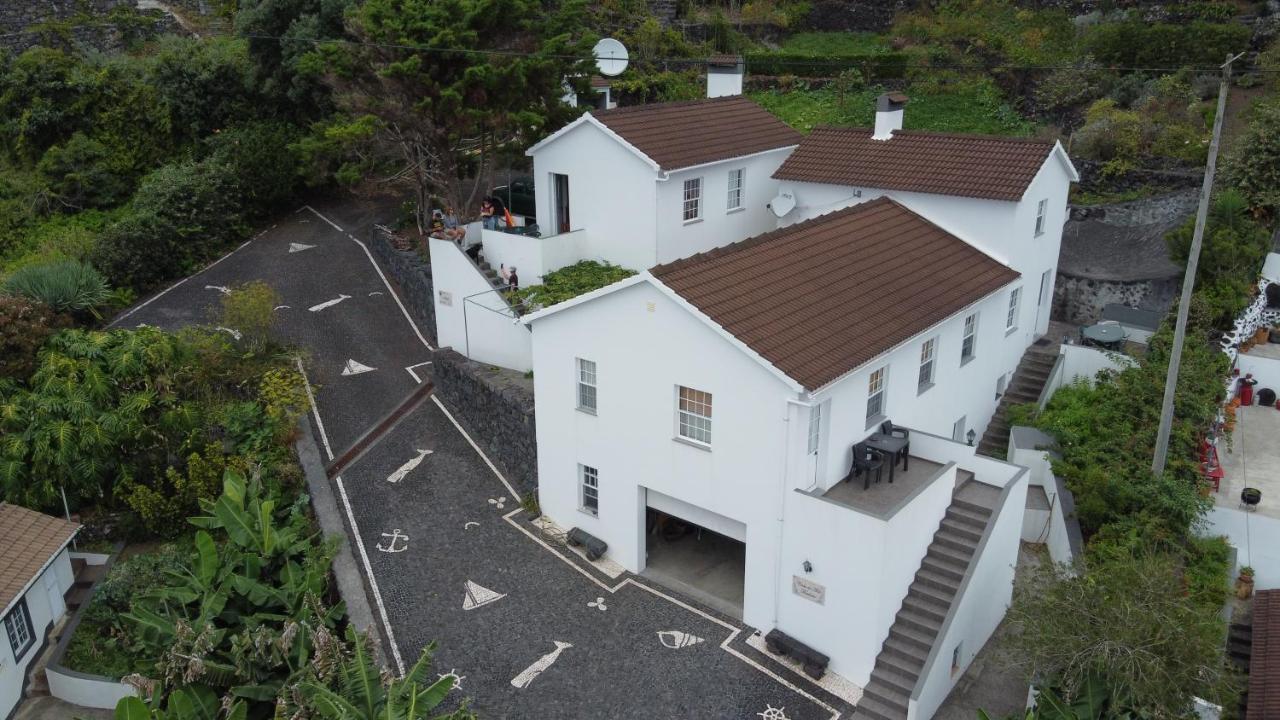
(922, 616)
(960, 557)
(963, 528)
(874, 708)
(942, 581)
(912, 636)
(890, 678)
(908, 652)
(917, 622)
(901, 661)
(971, 510)
(941, 566)
(968, 513)
(955, 541)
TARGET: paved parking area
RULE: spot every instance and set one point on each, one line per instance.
(447, 553)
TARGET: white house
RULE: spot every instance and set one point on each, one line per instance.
(35, 574)
(723, 392)
(634, 186)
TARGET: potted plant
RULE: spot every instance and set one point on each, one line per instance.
(1244, 583)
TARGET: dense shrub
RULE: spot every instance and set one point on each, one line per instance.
(1066, 90)
(24, 327)
(1253, 167)
(875, 65)
(260, 157)
(65, 285)
(84, 173)
(570, 282)
(1134, 43)
(993, 31)
(1233, 251)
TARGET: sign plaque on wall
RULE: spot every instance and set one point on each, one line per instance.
(808, 589)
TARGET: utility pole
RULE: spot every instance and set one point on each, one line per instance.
(1189, 280)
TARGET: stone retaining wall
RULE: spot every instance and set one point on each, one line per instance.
(1080, 300)
(78, 24)
(496, 406)
(412, 272)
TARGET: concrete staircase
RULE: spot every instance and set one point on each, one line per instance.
(930, 596)
(1028, 380)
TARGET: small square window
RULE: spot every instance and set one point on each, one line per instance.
(589, 479)
(587, 385)
(693, 415)
(692, 199)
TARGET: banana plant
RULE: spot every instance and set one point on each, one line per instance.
(191, 703)
(358, 691)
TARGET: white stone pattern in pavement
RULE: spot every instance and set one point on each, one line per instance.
(402, 471)
(478, 595)
(528, 675)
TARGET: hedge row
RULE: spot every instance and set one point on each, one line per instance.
(877, 66)
(1137, 44)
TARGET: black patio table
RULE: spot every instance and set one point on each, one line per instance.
(890, 445)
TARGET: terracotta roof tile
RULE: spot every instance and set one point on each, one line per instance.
(979, 166)
(29, 540)
(822, 297)
(1264, 662)
(680, 134)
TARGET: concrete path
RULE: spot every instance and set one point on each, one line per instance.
(437, 536)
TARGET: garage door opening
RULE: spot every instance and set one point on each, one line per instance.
(691, 559)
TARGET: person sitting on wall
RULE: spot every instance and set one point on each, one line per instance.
(452, 230)
(436, 229)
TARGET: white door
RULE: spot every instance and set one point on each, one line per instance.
(56, 604)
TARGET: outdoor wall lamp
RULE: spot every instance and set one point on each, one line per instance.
(971, 435)
(808, 566)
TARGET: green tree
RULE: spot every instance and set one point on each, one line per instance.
(1253, 167)
(1131, 622)
(85, 173)
(489, 80)
(285, 70)
(24, 326)
(1234, 248)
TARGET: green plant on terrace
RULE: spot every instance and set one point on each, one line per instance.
(570, 282)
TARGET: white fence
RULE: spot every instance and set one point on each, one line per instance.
(533, 257)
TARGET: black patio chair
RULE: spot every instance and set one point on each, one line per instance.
(888, 428)
(866, 459)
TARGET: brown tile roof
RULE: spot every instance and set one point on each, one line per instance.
(29, 540)
(1264, 662)
(680, 134)
(598, 82)
(822, 297)
(979, 166)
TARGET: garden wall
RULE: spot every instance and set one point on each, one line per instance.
(411, 272)
(77, 688)
(87, 22)
(496, 406)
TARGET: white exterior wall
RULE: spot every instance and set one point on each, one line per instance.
(718, 225)
(966, 390)
(612, 195)
(981, 602)
(472, 318)
(13, 672)
(630, 439)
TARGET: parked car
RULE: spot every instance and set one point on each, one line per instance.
(519, 197)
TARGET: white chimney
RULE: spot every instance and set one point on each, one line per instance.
(888, 115)
(724, 75)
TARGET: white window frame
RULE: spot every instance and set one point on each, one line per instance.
(877, 395)
(1042, 210)
(737, 190)
(928, 365)
(1015, 307)
(19, 630)
(692, 205)
(588, 489)
(969, 339)
(694, 409)
(587, 386)
(815, 428)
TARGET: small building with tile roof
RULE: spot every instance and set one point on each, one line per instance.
(690, 175)
(35, 574)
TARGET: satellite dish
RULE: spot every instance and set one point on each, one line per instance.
(783, 204)
(611, 57)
